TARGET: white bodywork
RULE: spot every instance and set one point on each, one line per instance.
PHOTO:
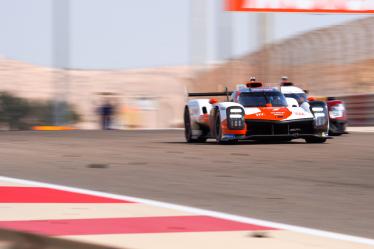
(196, 112)
(291, 89)
(305, 106)
(292, 102)
(196, 108)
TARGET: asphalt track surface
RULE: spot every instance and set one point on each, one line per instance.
(324, 186)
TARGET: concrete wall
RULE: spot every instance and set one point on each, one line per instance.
(330, 61)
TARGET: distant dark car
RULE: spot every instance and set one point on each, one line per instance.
(337, 115)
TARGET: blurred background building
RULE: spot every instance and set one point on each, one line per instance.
(143, 56)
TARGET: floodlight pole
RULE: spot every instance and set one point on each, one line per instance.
(265, 36)
(198, 32)
(225, 35)
(61, 57)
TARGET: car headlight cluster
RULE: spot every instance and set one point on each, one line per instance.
(236, 110)
(235, 118)
(317, 109)
(320, 116)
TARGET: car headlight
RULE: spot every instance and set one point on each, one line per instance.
(320, 116)
(320, 120)
(236, 110)
(235, 118)
(317, 109)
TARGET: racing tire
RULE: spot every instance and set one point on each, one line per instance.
(315, 140)
(278, 140)
(188, 129)
(218, 132)
(217, 129)
(285, 140)
(335, 134)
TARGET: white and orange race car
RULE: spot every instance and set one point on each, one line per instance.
(254, 112)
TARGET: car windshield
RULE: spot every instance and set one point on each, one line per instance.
(300, 97)
(260, 99)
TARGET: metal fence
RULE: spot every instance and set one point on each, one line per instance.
(333, 61)
(336, 60)
(360, 109)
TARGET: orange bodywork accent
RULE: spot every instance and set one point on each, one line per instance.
(232, 132)
(254, 84)
(340, 7)
(204, 118)
(234, 5)
(52, 128)
(319, 98)
(270, 113)
(212, 101)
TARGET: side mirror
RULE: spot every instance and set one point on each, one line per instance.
(269, 105)
(213, 101)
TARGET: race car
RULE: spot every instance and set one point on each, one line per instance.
(336, 108)
(337, 115)
(253, 112)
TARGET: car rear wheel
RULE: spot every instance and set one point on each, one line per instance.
(188, 129)
(315, 140)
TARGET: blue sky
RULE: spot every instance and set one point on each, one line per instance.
(135, 34)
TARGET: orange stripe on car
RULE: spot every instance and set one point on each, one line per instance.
(227, 131)
(204, 118)
(270, 113)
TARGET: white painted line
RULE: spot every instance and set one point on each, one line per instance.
(361, 129)
(198, 211)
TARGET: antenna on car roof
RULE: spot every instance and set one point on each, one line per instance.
(254, 84)
(227, 93)
(287, 84)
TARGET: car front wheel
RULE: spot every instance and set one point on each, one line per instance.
(315, 140)
(219, 133)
